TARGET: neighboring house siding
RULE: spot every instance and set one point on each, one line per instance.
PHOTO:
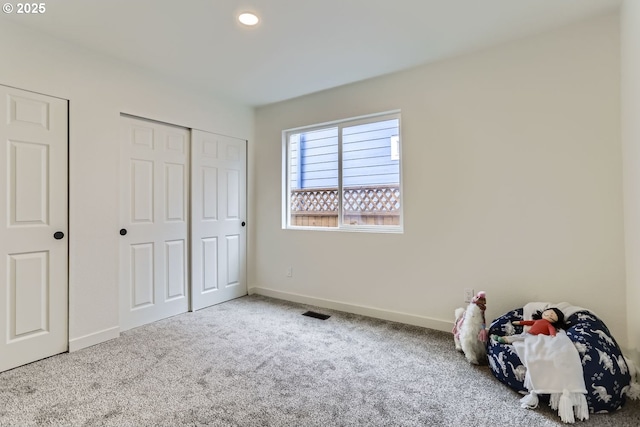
(317, 166)
(366, 156)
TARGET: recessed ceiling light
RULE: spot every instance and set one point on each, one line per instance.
(248, 19)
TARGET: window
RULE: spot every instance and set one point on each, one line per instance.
(358, 159)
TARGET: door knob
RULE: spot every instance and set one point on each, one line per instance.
(58, 235)
(243, 223)
(123, 231)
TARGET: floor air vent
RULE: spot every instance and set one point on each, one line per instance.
(316, 315)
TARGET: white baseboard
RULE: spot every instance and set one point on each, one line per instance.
(394, 316)
(76, 344)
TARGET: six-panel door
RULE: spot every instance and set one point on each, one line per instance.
(218, 228)
(154, 211)
(33, 227)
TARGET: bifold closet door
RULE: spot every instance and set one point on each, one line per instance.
(218, 218)
(33, 227)
(154, 242)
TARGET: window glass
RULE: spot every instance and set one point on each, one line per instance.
(371, 176)
(358, 159)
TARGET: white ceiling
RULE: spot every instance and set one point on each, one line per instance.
(300, 46)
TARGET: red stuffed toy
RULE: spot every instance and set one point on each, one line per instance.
(545, 322)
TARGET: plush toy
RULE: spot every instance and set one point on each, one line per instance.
(545, 322)
(469, 330)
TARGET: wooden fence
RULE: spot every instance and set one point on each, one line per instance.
(365, 205)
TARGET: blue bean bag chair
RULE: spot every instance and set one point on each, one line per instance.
(606, 372)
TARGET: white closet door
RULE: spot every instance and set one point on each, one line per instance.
(33, 227)
(218, 215)
(154, 213)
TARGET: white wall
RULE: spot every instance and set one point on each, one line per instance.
(99, 90)
(512, 185)
(630, 53)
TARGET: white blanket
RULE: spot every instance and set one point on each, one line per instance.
(554, 368)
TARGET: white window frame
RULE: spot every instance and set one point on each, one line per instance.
(340, 124)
